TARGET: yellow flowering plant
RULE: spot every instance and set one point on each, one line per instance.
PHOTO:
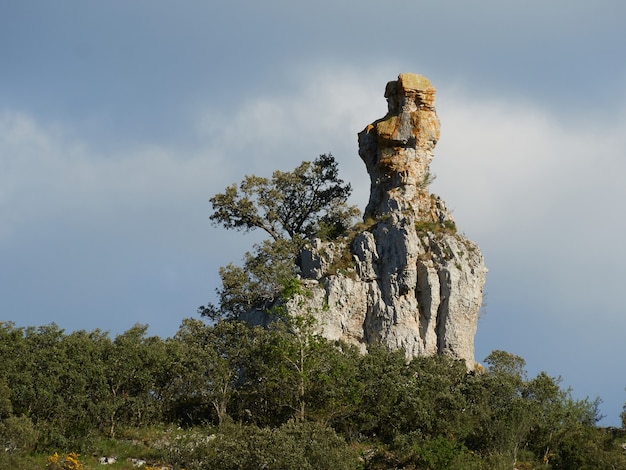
(69, 461)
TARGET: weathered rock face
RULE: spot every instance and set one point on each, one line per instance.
(397, 149)
(407, 279)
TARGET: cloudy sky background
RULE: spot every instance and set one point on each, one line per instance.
(119, 120)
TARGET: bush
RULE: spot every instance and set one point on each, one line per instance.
(18, 435)
(69, 461)
(438, 453)
(291, 446)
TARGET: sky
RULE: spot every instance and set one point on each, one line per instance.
(119, 120)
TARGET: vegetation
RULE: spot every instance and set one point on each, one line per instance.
(223, 394)
(447, 226)
(227, 395)
(291, 207)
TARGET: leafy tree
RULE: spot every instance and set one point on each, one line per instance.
(383, 376)
(17, 435)
(40, 363)
(6, 407)
(207, 368)
(259, 282)
(274, 380)
(514, 415)
(132, 369)
(82, 383)
(293, 204)
(305, 446)
(295, 396)
(291, 207)
(498, 402)
(436, 402)
(295, 374)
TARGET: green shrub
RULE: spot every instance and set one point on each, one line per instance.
(17, 435)
(438, 453)
(291, 446)
(426, 226)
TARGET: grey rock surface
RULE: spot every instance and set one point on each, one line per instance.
(406, 278)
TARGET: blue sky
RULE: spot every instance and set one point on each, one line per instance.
(119, 120)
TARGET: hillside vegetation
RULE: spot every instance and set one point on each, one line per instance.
(231, 396)
(222, 394)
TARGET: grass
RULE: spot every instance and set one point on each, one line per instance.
(132, 444)
(425, 226)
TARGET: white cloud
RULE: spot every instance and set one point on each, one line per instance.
(47, 174)
(548, 190)
(542, 194)
(322, 112)
(91, 240)
(520, 181)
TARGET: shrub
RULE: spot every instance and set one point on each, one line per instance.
(18, 435)
(438, 453)
(65, 462)
(234, 446)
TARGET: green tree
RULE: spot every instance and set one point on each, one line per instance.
(291, 207)
(302, 446)
(515, 416)
(207, 367)
(259, 282)
(6, 407)
(17, 435)
(436, 402)
(132, 368)
(292, 204)
(291, 372)
(276, 377)
(503, 417)
(81, 383)
(40, 365)
(383, 376)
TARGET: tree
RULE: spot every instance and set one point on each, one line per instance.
(132, 367)
(291, 207)
(293, 374)
(259, 281)
(207, 367)
(498, 401)
(383, 376)
(515, 415)
(301, 203)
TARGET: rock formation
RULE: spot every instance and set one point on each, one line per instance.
(405, 278)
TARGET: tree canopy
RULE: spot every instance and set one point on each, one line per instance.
(291, 207)
(299, 203)
(228, 395)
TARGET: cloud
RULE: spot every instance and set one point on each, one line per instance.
(541, 192)
(316, 112)
(91, 239)
(47, 173)
(517, 174)
(527, 185)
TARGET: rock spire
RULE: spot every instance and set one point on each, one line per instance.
(406, 278)
(397, 149)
